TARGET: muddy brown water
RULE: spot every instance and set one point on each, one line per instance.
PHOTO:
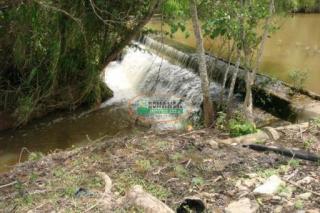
(295, 46)
(62, 131)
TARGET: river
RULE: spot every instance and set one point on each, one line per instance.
(295, 46)
(137, 73)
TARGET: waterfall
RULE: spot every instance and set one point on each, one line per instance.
(142, 72)
(216, 66)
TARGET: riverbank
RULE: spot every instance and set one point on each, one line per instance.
(170, 166)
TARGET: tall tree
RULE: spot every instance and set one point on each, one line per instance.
(207, 102)
(250, 76)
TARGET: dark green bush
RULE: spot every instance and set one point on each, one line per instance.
(52, 52)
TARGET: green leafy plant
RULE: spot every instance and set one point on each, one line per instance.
(33, 156)
(294, 163)
(221, 120)
(143, 165)
(299, 204)
(238, 127)
(197, 181)
(307, 143)
(298, 78)
(316, 122)
(180, 171)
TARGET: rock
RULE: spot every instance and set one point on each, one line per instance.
(240, 186)
(270, 187)
(289, 204)
(249, 182)
(252, 175)
(305, 196)
(278, 209)
(306, 180)
(272, 133)
(313, 211)
(244, 205)
(276, 198)
(246, 139)
(214, 144)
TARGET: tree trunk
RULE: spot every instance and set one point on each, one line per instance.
(248, 105)
(133, 33)
(207, 103)
(233, 80)
(250, 77)
(226, 74)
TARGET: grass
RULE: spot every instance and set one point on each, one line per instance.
(294, 163)
(316, 122)
(136, 163)
(143, 165)
(34, 156)
(163, 145)
(299, 205)
(197, 181)
(127, 179)
(261, 142)
(180, 171)
(266, 173)
(176, 156)
(308, 143)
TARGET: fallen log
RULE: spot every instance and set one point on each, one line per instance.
(294, 127)
(136, 197)
(141, 199)
(246, 139)
(294, 153)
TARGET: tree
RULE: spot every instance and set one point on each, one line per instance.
(207, 102)
(53, 52)
(250, 76)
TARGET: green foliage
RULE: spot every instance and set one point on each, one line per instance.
(197, 181)
(53, 52)
(175, 14)
(294, 163)
(316, 122)
(266, 173)
(308, 143)
(180, 171)
(238, 126)
(34, 156)
(143, 165)
(298, 78)
(299, 204)
(260, 142)
(221, 120)
(127, 179)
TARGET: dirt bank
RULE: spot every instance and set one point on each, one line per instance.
(168, 165)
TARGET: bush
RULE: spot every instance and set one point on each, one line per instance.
(241, 127)
(298, 78)
(53, 52)
(236, 126)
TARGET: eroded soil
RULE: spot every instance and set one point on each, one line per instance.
(168, 165)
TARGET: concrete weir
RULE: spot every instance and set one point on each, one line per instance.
(274, 96)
